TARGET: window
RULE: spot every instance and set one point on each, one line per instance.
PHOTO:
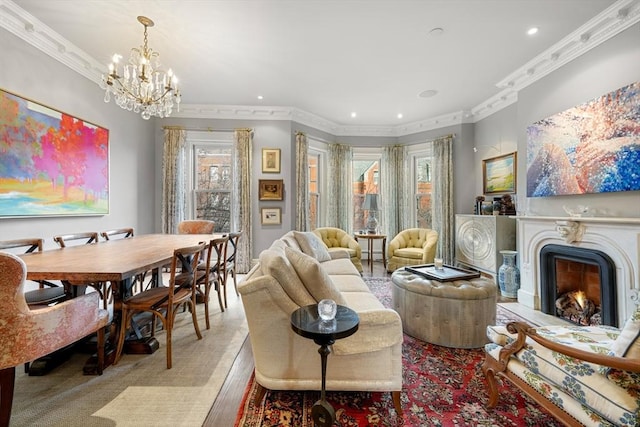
(365, 181)
(423, 191)
(314, 190)
(211, 179)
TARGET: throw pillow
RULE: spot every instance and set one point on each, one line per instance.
(313, 276)
(628, 343)
(274, 263)
(312, 245)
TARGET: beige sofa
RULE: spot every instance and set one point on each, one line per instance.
(297, 270)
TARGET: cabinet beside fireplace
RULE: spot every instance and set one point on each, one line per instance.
(480, 238)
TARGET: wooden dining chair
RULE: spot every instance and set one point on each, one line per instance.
(47, 292)
(121, 233)
(196, 226)
(230, 268)
(86, 238)
(125, 233)
(164, 301)
(211, 273)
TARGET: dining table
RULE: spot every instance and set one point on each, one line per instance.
(118, 262)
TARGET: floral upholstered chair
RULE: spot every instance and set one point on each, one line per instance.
(584, 375)
(26, 335)
(196, 226)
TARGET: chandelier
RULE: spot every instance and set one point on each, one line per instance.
(142, 87)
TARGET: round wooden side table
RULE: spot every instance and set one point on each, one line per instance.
(370, 239)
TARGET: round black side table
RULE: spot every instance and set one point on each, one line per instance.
(306, 322)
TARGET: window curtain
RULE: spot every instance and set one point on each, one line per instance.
(442, 204)
(174, 188)
(302, 182)
(241, 196)
(395, 190)
(340, 199)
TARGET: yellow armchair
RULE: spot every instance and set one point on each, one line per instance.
(412, 246)
(336, 239)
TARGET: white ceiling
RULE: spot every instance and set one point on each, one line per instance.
(328, 57)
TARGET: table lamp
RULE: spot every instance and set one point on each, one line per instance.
(371, 204)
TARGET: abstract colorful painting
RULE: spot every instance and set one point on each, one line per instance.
(51, 163)
(591, 148)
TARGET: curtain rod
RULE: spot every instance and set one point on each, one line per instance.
(207, 129)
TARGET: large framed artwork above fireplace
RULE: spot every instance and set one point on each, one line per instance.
(617, 240)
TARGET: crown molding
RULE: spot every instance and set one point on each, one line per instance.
(612, 21)
(30, 29)
(615, 19)
(248, 112)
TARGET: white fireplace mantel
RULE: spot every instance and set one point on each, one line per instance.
(618, 237)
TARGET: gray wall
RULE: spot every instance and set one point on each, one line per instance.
(136, 145)
(613, 64)
(28, 72)
(266, 134)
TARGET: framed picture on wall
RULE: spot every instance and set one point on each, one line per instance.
(51, 163)
(270, 189)
(271, 216)
(499, 174)
(271, 160)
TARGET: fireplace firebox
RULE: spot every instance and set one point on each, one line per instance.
(578, 285)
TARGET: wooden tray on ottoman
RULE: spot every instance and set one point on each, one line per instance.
(448, 273)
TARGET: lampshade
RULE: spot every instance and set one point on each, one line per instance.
(370, 202)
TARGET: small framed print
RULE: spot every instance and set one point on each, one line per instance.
(499, 174)
(270, 189)
(271, 160)
(271, 216)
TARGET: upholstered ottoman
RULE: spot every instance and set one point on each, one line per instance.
(451, 314)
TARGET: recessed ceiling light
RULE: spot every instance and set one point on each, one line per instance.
(260, 97)
(428, 93)
(353, 115)
(531, 31)
(399, 115)
(435, 32)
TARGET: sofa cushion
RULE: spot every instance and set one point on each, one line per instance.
(312, 245)
(315, 279)
(274, 263)
(341, 266)
(348, 283)
(628, 342)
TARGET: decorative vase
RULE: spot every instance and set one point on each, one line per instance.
(509, 275)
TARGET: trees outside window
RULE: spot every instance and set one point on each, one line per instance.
(211, 192)
(366, 180)
(423, 191)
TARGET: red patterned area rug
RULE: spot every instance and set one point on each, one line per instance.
(441, 387)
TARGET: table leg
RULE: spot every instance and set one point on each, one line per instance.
(371, 254)
(322, 412)
(384, 252)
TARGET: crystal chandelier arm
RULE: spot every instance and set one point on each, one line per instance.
(142, 88)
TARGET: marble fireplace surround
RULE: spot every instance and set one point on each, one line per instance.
(617, 237)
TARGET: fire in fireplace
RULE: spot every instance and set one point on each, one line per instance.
(576, 307)
(578, 285)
